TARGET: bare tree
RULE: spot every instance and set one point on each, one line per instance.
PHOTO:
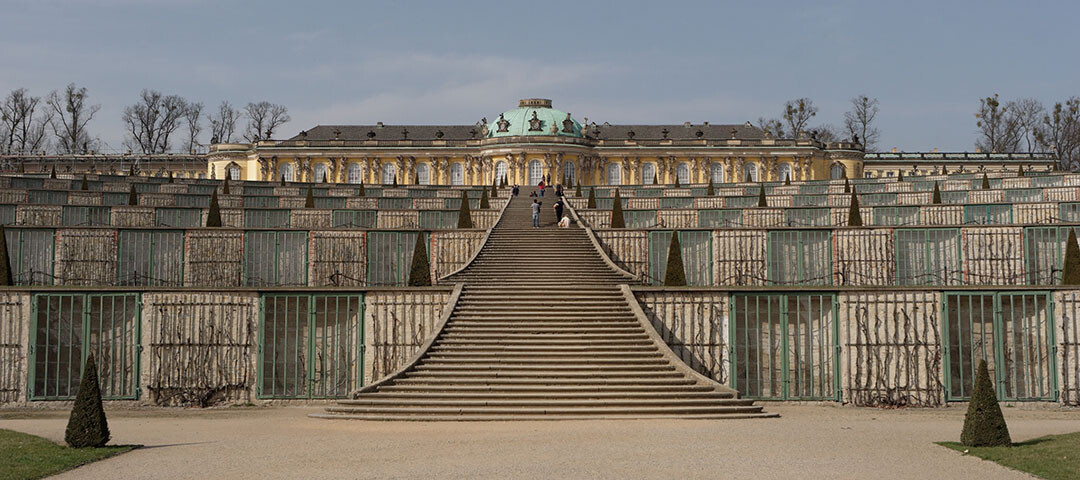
(70, 116)
(223, 126)
(826, 133)
(1028, 114)
(771, 127)
(999, 128)
(859, 121)
(21, 131)
(152, 120)
(193, 117)
(797, 114)
(263, 118)
(1060, 132)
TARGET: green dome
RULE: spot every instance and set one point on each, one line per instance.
(534, 116)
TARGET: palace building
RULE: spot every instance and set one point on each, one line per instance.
(532, 142)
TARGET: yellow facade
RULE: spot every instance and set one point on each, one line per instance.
(527, 149)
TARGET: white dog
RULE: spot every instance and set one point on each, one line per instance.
(565, 222)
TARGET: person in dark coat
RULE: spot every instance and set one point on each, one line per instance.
(558, 210)
(516, 190)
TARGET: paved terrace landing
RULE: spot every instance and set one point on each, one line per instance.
(543, 331)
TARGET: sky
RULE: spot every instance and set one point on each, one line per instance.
(453, 62)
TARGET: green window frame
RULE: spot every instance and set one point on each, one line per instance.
(1069, 212)
(785, 347)
(676, 202)
(330, 202)
(1044, 254)
(1012, 331)
(988, 214)
(954, 197)
(722, 218)
(1023, 195)
(438, 219)
(66, 328)
(191, 200)
(875, 199)
(32, 254)
(356, 219)
(741, 202)
(310, 346)
(113, 199)
(640, 219)
(800, 257)
(403, 203)
(259, 201)
(47, 197)
(152, 258)
(389, 257)
(897, 216)
(178, 217)
(808, 217)
(255, 190)
(275, 258)
(809, 200)
(7, 214)
(267, 217)
(927, 256)
(696, 252)
(85, 216)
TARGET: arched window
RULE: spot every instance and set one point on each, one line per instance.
(783, 171)
(500, 171)
(536, 172)
(682, 172)
(389, 172)
(318, 173)
(836, 172)
(423, 174)
(614, 174)
(569, 173)
(648, 173)
(356, 173)
(286, 172)
(234, 172)
(716, 172)
(457, 174)
(750, 172)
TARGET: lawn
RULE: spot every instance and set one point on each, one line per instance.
(1053, 457)
(26, 456)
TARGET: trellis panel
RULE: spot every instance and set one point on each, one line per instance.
(892, 343)
(840, 215)
(1067, 317)
(629, 249)
(86, 257)
(694, 325)
(1033, 213)
(763, 217)
(993, 255)
(39, 215)
(311, 218)
(675, 219)
(84, 198)
(864, 257)
(14, 337)
(398, 219)
(450, 250)
(1061, 194)
(133, 216)
(741, 257)
(396, 325)
(986, 196)
(338, 259)
(214, 258)
(942, 214)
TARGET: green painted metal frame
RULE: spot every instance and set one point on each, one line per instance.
(151, 249)
(928, 254)
(310, 347)
(658, 251)
(801, 240)
(400, 245)
(276, 259)
(85, 327)
(783, 302)
(998, 344)
(17, 257)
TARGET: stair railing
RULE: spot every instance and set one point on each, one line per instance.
(451, 304)
(483, 241)
(634, 277)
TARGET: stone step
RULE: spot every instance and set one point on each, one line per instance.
(434, 365)
(588, 410)
(589, 381)
(547, 389)
(571, 361)
(535, 417)
(378, 401)
(566, 395)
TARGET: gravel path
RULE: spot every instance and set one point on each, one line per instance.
(807, 442)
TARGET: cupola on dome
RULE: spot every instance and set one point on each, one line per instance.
(534, 116)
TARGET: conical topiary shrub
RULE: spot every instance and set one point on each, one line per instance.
(171, 179)
(847, 186)
(577, 193)
(1070, 271)
(592, 198)
(213, 217)
(420, 271)
(225, 187)
(984, 425)
(617, 220)
(787, 180)
(87, 426)
(7, 279)
(464, 218)
(484, 203)
(854, 217)
(710, 190)
(52, 174)
(1019, 171)
(133, 196)
(360, 189)
(677, 185)
(985, 182)
(761, 202)
(944, 170)
(84, 185)
(494, 190)
(900, 177)
(937, 195)
(309, 199)
(395, 180)
(656, 179)
(675, 276)
(131, 170)
(283, 180)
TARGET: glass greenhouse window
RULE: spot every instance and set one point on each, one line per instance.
(1044, 254)
(928, 256)
(151, 258)
(696, 252)
(800, 257)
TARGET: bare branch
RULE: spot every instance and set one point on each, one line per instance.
(263, 119)
(70, 116)
(859, 121)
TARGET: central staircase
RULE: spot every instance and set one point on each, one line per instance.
(542, 330)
